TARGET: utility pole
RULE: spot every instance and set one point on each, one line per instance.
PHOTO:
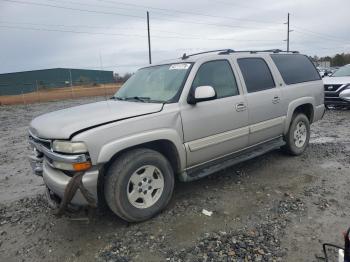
(149, 40)
(288, 31)
(70, 77)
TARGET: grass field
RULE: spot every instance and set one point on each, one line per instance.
(60, 94)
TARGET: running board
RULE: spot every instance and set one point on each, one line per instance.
(230, 160)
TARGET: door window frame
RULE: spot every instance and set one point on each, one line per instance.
(232, 71)
(242, 76)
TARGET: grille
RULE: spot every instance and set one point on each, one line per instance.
(331, 88)
(46, 143)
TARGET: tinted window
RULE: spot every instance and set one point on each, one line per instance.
(219, 75)
(256, 74)
(295, 68)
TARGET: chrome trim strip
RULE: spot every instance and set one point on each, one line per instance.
(267, 124)
(218, 138)
(59, 157)
(232, 153)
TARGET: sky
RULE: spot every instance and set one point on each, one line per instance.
(112, 34)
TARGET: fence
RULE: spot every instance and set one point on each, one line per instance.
(28, 96)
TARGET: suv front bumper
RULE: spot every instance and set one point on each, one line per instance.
(56, 180)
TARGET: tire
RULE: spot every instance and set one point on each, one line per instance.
(124, 193)
(295, 146)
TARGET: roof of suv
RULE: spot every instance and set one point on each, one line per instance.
(191, 58)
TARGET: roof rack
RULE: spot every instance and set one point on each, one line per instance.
(266, 51)
(228, 51)
(184, 56)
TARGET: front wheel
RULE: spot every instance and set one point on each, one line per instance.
(298, 136)
(139, 184)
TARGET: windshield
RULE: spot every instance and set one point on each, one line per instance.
(154, 84)
(343, 71)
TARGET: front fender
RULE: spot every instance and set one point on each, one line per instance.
(112, 148)
(293, 105)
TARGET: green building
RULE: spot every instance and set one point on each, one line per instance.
(31, 81)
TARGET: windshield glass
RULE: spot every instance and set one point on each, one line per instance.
(343, 71)
(154, 84)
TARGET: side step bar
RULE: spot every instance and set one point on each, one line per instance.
(230, 160)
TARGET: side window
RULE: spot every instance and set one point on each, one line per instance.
(256, 74)
(219, 75)
(295, 68)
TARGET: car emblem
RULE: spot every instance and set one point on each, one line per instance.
(330, 87)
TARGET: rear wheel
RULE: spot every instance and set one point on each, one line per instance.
(139, 184)
(298, 136)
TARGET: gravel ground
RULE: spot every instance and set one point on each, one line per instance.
(272, 208)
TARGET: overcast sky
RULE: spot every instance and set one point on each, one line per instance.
(111, 34)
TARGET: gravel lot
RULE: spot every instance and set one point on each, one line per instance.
(272, 208)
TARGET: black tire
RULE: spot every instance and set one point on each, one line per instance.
(291, 146)
(118, 176)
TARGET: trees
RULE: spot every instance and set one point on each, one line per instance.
(337, 60)
(121, 79)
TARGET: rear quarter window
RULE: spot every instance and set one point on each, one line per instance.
(295, 68)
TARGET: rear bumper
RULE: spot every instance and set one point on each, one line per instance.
(57, 181)
(336, 102)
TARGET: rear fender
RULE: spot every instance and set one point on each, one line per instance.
(293, 105)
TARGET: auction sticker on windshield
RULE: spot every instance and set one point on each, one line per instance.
(183, 66)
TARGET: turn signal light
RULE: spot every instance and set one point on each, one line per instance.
(81, 166)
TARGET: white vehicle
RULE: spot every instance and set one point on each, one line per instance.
(337, 87)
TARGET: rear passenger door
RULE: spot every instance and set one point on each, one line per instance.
(263, 98)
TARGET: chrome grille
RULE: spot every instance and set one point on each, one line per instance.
(44, 142)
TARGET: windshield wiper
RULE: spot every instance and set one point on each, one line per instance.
(138, 98)
(116, 98)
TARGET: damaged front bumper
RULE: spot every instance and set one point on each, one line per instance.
(42, 161)
(57, 181)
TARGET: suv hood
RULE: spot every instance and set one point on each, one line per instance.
(62, 124)
(336, 80)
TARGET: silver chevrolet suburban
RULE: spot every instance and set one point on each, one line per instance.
(184, 119)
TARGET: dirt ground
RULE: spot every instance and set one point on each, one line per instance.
(59, 94)
(272, 208)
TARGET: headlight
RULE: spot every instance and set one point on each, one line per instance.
(69, 147)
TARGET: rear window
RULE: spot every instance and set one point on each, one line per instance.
(295, 68)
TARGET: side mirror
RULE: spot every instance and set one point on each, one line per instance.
(200, 94)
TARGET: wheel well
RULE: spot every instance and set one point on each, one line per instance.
(306, 109)
(165, 147)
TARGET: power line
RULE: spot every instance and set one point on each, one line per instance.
(189, 12)
(71, 8)
(128, 15)
(320, 36)
(118, 27)
(128, 35)
(306, 31)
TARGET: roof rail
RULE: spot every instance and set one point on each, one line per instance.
(266, 51)
(228, 51)
(185, 56)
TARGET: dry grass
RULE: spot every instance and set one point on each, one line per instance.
(60, 94)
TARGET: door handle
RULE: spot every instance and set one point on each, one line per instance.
(276, 100)
(240, 107)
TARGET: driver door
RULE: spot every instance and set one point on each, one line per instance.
(217, 127)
